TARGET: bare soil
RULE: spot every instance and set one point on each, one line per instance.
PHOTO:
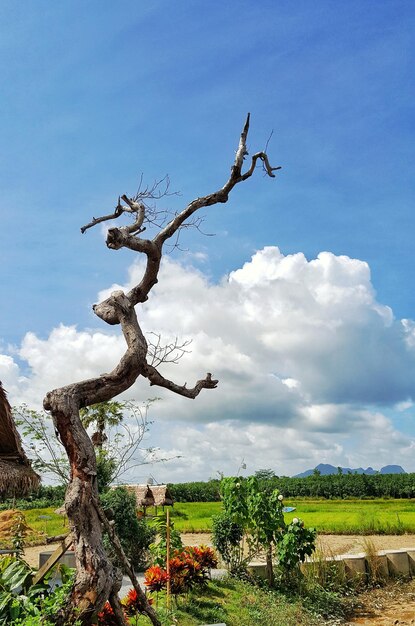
(332, 544)
(391, 605)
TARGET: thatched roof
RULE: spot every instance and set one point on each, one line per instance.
(143, 494)
(162, 495)
(151, 495)
(16, 476)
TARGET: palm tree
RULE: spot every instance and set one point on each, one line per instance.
(103, 415)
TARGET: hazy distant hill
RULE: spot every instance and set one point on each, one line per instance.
(326, 469)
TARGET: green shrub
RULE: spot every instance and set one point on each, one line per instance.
(44, 497)
(135, 535)
(226, 537)
(21, 602)
(158, 549)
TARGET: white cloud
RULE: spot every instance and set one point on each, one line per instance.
(304, 353)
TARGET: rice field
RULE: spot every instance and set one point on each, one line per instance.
(380, 516)
(327, 516)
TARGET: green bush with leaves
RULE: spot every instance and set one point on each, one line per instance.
(227, 538)
(43, 498)
(158, 549)
(296, 543)
(135, 534)
(21, 602)
(259, 515)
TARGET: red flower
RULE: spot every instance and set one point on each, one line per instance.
(155, 578)
(106, 617)
(205, 556)
(133, 603)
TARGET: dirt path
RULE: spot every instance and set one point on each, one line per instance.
(353, 544)
(332, 544)
(329, 544)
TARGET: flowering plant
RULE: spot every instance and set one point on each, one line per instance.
(155, 578)
(106, 617)
(204, 555)
(133, 603)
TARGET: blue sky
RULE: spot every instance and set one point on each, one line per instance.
(94, 94)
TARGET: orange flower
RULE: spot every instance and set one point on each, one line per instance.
(155, 578)
(133, 603)
(106, 617)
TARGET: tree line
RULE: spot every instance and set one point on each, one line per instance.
(315, 486)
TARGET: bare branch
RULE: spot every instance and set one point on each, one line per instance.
(119, 210)
(268, 140)
(269, 170)
(168, 353)
(109, 528)
(156, 378)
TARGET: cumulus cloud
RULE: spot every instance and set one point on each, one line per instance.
(304, 352)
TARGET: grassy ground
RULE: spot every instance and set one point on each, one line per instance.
(357, 516)
(237, 604)
(45, 523)
(193, 517)
(328, 516)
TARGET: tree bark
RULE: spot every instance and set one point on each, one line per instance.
(96, 578)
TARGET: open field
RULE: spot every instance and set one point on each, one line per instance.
(327, 516)
(341, 517)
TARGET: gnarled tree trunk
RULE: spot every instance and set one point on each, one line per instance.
(97, 580)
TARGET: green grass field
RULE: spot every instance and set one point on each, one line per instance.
(236, 603)
(327, 516)
(46, 522)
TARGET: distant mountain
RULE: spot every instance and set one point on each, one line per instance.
(326, 469)
(392, 469)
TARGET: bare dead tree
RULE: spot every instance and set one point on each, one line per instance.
(96, 579)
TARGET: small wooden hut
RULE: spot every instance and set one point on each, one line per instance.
(151, 495)
(17, 478)
(143, 495)
(162, 495)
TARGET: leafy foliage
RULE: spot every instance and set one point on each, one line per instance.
(196, 491)
(315, 486)
(24, 603)
(204, 555)
(158, 549)
(106, 617)
(189, 568)
(46, 452)
(44, 497)
(117, 441)
(155, 578)
(135, 534)
(133, 604)
(227, 537)
(258, 515)
(296, 543)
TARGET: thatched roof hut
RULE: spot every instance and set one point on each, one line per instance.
(162, 495)
(143, 494)
(151, 495)
(16, 475)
